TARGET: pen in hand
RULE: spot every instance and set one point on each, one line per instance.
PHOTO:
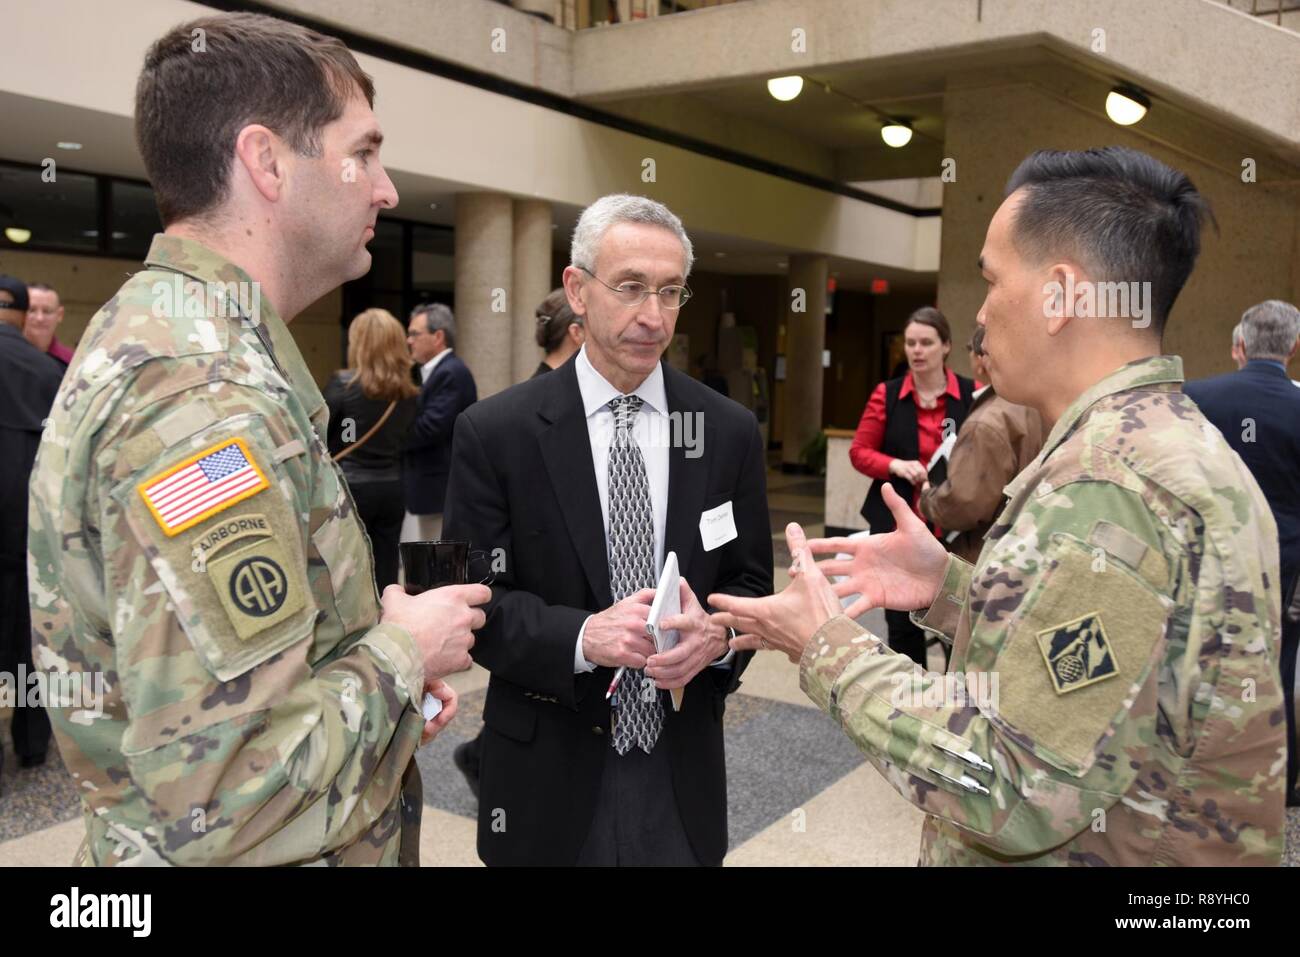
(613, 685)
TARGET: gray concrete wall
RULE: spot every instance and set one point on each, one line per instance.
(1255, 256)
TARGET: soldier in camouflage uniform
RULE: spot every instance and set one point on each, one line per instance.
(192, 541)
(1118, 638)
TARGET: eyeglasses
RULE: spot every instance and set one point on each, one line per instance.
(633, 293)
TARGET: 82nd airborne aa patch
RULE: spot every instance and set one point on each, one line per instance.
(1077, 653)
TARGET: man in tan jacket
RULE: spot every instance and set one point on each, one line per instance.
(996, 442)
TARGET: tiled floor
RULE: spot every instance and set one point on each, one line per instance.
(799, 792)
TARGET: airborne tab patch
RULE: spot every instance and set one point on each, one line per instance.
(203, 485)
(1077, 653)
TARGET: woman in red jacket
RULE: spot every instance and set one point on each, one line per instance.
(905, 421)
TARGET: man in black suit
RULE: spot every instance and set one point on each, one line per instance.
(447, 390)
(585, 480)
(1257, 408)
(29, 380)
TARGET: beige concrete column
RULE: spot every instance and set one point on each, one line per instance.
(805, 338)
(484, 228)
(532, 280)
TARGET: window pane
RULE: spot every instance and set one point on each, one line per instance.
(434, 266)
(135, 219)
(59, 214)
(386, 255)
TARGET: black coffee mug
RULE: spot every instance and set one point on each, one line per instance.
(434, 564)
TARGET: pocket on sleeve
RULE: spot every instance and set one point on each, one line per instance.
(1077, 653)
(218, 523)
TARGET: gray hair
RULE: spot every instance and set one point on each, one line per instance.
(438, 316)
(1237, 339)
(1269, 329)
(622, 208)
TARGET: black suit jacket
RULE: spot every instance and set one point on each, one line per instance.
(1264, 394)
(522, 481)
(426, 459)
(29, 381)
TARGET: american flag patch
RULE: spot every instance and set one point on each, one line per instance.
(202, 485)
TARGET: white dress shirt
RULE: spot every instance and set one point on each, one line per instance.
(650, 430)
(426, 370)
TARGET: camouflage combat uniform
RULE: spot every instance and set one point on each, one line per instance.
(256, 711)
(1126, 602)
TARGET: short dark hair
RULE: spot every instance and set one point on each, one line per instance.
(437, 316)
(932, 317)
(1122, 213)
(206, 80)
(554, 316)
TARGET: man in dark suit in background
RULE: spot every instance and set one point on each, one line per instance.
(585, 480)
(29, 380)
(1257, 408)
(447, 390)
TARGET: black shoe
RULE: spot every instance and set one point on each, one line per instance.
(32, 760)
(466, 760)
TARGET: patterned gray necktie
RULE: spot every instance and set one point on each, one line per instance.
(640, 713)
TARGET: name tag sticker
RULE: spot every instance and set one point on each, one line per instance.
(717, 526)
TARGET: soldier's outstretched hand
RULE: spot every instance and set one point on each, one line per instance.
(901, 570)
(786, 621)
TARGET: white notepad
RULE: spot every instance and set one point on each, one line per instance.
(667, 602)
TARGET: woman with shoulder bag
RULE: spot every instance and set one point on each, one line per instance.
(371, 404)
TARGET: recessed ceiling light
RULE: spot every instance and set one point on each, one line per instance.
(896, 135)
(720, 255)
(1125, 105)
(785, 88)
(68, 145)
(433, 205)
(16, 234)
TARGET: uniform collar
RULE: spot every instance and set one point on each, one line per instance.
(1153, 370)
(197, 261)
(951, 389)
